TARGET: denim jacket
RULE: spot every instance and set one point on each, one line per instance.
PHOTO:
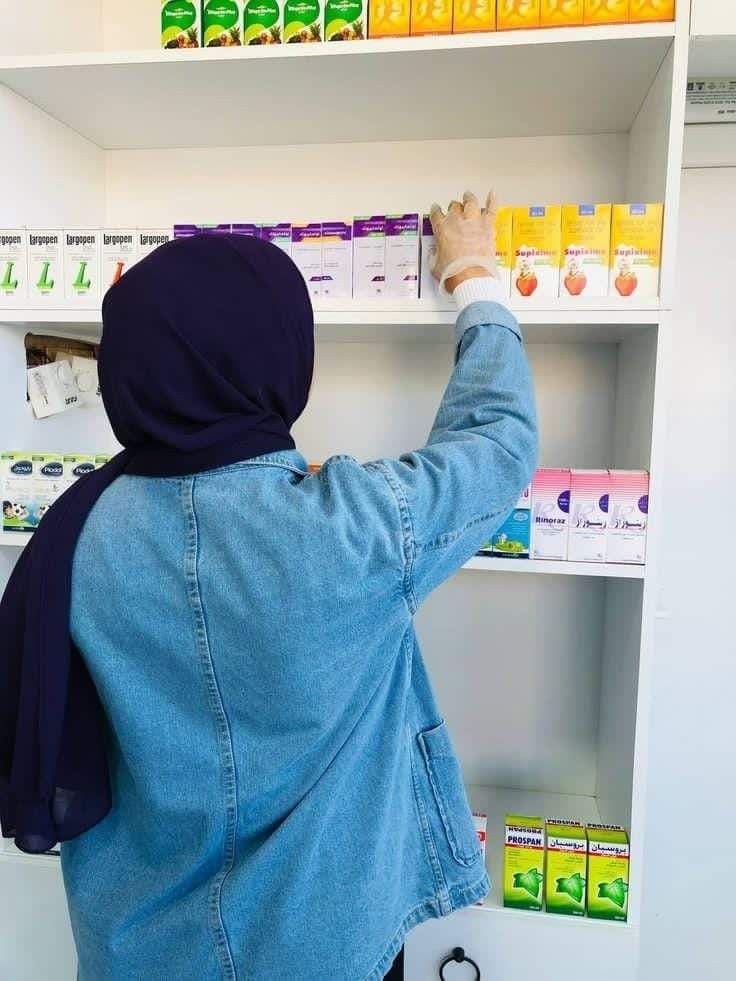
(287, 803)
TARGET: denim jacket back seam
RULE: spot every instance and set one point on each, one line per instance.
(407, 532)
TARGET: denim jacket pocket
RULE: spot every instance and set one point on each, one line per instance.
(445, 777)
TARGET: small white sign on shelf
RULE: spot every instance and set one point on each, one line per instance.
(711, 100)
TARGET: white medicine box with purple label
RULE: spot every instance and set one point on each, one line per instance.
(589, 490)
(369, 257)
(337, 259)
(278, 234)
(550, 513)
(628, 514)
(429, 288)
(402, 255)
(306, 251)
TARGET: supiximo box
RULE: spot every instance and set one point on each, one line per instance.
(429, 288)
(13, 267)
(337, 259)
(279, 234)
(402, 255)
(587, 536)
(149, 239)
(45, 267)
(566, 868)
(586, 243)
(369, 257)
(82, 262)
(628, 514)
(536, 247)
(636, 249)
(550, 513)
(608, 872)
(306, 251)
(523, 865)
(119, 251)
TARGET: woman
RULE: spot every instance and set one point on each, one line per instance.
(284, 803)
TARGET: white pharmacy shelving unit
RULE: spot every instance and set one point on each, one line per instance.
(543, 676)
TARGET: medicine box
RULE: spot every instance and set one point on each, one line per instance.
(429, 288)
(523, 864)
(369, 257)
(402, 256)
(536, 248)
(263, 22)
(628, 514)
(76, 465)
(504, 247)
(648, 10)
(82, 264)
(306, 251)
(180, 24)
(550, 513)
(13, 267)
(606, 11)
(586, 242)
(473, 15)
(636, 249)
(480, 823)
(48, 480)
(45, 267)
(119, 251)
(345, 20)
(187, 231)
(389, 18)
(587, 536)
(149, 239)
(222, 23)
(565, 872)
(18, 491)
(512, 540)
(513, 14)
(337, 259)
(431, 17)
(279, 234)
(248, 228)
(608, 872)
(562, 13)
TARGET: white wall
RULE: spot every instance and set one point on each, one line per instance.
(713, 17)
(688, 914)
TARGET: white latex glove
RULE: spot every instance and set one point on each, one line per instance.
(465, 237)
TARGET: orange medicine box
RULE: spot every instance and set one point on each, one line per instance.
(606, 11)
(474, 15)
(513, 14)
(431, 17)
(562, 13)
(651, 10)
(389, 18)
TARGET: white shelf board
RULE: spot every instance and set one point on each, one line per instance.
(610, 570)
(9, 853)
(497, 803)
(15, 539)
(289, 94)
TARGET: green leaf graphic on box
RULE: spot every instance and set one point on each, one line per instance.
(573, 886)
(530, 881)
(615, 891)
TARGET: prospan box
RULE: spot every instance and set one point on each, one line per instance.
(586, 541)
(523, 863)
(550, 514)
(565, 871)
(608, 872)
(628, 515)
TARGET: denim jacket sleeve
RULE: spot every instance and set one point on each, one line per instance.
(458, 489)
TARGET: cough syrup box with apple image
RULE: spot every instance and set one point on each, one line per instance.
(389, 18)
(473, 15)
(628, 515)
(608, 872)
(565, 871)
(536, 252)
(45, 267)
(82, 263)
(180, 23)
(648, 10)
(337, 259)
(119, 251)
(306, 251)
(369, 257)
(562, 13)
(523, 862)
(586, 243)
(278, 234)
(429, 288)
(431, 17)
(345, 20)
(222, 23)
(512, 539)
(513, 14)
(586, 541)
(606, 11)
(550, 513)
(636, 249)
(16, 477)
(263, 22)
(149, 239)
(13, 267)
(402, 256)
(302, 21)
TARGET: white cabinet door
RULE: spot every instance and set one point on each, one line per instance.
(713, 17)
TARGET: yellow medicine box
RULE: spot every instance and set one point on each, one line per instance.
(513, 14)
(606, 11)
(652, 10)
(389, 18)
(562, 13)
(431, 16)
(474, 15)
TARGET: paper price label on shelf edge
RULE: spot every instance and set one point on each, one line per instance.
(711, 100)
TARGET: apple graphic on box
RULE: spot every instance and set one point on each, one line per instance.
(526, 284)
(575, 284)
(626, 283)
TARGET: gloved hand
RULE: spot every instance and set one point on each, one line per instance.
(465, 238)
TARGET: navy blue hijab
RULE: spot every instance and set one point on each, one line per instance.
(206, 359)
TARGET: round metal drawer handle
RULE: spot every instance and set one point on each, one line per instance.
(458, 956)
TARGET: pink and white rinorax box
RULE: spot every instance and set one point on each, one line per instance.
(550, 513)
(628, 515)
(586, 540)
